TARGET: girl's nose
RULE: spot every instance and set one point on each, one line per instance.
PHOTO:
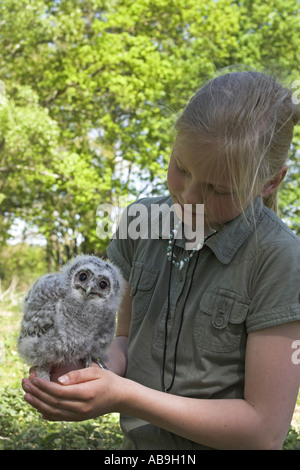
(192, 195)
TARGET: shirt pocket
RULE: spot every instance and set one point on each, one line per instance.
(142, 280)
(219, 323)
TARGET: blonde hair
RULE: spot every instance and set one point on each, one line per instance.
(252, 117)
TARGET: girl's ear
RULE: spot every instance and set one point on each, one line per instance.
(274, 182)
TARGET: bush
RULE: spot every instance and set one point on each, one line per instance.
(21, 427)
(28, 261)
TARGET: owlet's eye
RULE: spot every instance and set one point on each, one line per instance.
(103, 284)
(82, 276)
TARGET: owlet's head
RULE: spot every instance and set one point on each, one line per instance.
(92, 278)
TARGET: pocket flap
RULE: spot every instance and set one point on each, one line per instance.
(224, 306)
(141, 277)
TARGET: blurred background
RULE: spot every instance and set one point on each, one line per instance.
(89, 93)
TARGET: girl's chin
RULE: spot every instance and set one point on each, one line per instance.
(197, 219)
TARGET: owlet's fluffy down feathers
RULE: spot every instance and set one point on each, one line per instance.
(71, 315)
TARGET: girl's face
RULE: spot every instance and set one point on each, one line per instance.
(193, 179)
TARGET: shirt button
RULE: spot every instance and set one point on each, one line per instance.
(219, 321)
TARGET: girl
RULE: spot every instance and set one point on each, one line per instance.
(203, 352)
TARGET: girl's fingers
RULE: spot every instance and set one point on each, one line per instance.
(80, 394)
(52, 413)
(41, 391)
(63, 402)
(52, 408)
(81, 376)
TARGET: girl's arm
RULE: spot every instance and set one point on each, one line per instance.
(259, 421)
(117, 353)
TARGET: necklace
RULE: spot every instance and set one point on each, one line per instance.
(163, 384)
(170, 251)
(171, 256)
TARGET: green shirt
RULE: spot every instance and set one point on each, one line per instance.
(247, 277)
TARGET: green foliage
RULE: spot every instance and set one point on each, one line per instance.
(289, 196)
(24, 261)
(92, 92)
(21, 427)
(292, 441)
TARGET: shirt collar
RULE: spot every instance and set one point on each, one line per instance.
(227, 240)
(232, 235)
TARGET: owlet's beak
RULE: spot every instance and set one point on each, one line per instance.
(87, 291)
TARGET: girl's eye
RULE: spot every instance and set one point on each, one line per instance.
(218, 192)
(181, 170)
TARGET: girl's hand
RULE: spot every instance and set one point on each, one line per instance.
(59, 370)
(79, 395)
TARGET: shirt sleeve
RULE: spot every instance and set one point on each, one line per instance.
(276, 287)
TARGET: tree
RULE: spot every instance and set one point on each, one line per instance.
(93, 89)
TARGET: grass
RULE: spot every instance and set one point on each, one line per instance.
(21, 428)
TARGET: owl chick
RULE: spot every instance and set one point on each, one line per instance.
(71, 315)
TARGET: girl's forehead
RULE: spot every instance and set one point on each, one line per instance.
(205, 161)
(201, 155)
(196, 146)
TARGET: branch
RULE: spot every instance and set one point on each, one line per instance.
(27, 168)
(53, 95)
